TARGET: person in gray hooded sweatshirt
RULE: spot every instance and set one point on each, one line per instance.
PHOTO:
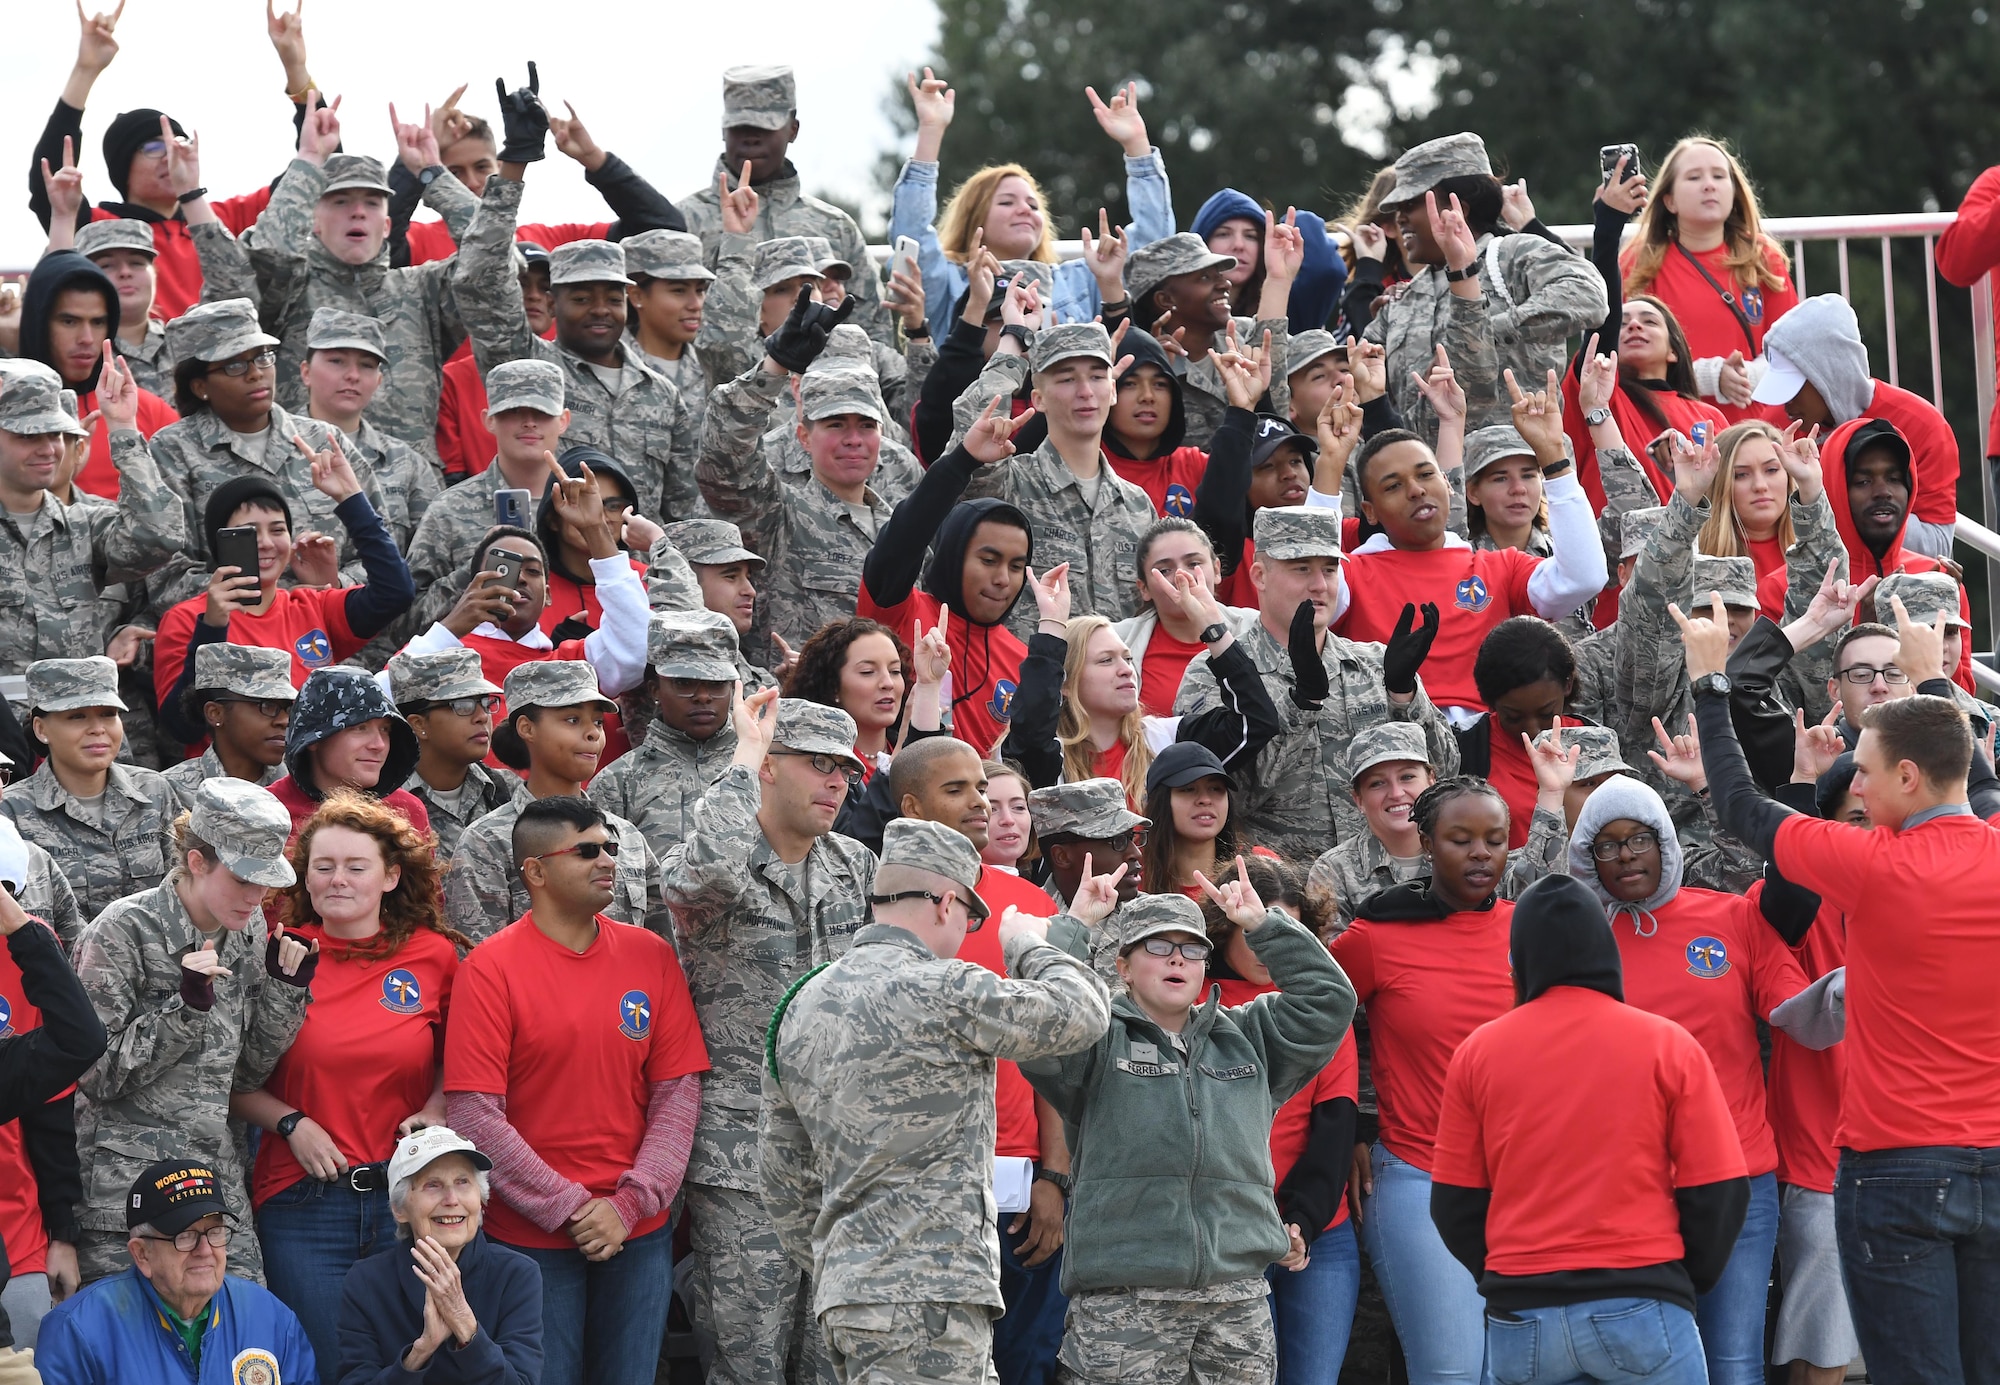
(1819, 372)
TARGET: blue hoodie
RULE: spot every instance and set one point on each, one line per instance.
(1316, 292)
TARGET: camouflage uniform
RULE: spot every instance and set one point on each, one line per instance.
(409, 479)
(187, 777)
(1816, 544)
(45, 891)
(1203, 397)
(673, 587)
(162, 1088)
(897, 469)
(151, 363)
(1301, 797)
(676, 257)
(446, 676)
(1626, 534)
(878, 1122)
(1926, 596)
(1346, 877)
(748, 925)
(641, 420)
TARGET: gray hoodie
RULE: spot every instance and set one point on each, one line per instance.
(1622, 796)
(1822, 337)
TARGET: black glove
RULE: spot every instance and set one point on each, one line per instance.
(1309, 681)
(197, 989)
(524, 121)
(802, 335)
(301, 978)
(1407, 648)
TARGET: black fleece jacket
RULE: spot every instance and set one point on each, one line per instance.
(635, 204)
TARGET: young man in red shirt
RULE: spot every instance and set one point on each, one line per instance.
(574, 1059)
(1591, 1276)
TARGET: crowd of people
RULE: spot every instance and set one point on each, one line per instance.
(655, 796)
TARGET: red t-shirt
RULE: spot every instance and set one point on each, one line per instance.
(1169, 481)
(1804, 1086)
(1969, 250)
(985, 664)
(26, 1239)
(1426, 985)
(368, 1054)
(1510, 771)
(1923, 947)
(1582, 1115)
(177, 266)
(1772, 577)
(1475, 589)
(301, 806)
(1237, 589)
(1710, 327)
(97, 475)
(1341, 1077)
(575, 1042)
(569, 597)
(310, 623)
(1018, 1133)
(1714, 967)
(1933, 450)
(1160, 671)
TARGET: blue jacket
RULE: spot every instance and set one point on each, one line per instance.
(115, 1332)
(382, 1312)
(1316, 292)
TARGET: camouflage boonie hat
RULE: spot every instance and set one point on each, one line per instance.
(588, 262)
(764, 97)
(217, 331)
(710, 541)
(1735, 578)
(1152, 265)
(664, 254)
(829, 262)
(1924, 595)
(1426, 165)
(246, 670)
(1093, 809)
(442, 677)
(1383, 742)
(247, 826)
(832, 393)
(1485, 446)
(554, 683)
(71, 407)
(120, 233)
(812, 728)
(346, 171)
(1636, 530)
(536, 385)
(31, 401)
(1150, 915)
(923, 845)
(1054, 345)
(1284, 532)
(1598, 751)
(331, 329)
(692, 644)
(1305, 348)
(62, 685)
(786, 257)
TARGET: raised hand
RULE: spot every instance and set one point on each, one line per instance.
(1096, 895)
(1679, 757)
(1453, 236)
(1187, 592)
(449, 124)
(904, 296)
(1441, 390)
(802, 335)
(229, 591)
(1706, 638)
(1236, 898)
(1408, 646)
(332, 474)
(1339, 430)
(416, 142)
(1310, 681)
(1538, 419)
(1022, 306)
(1694, 467)
(1051, 592)
(755, 719)
(199, 970)
(95, 46)
(287, 33)
(1596, 377)
(1246, 374)
(289, 959)
(1832, 606)
(1368, 363)
(739, 204)
(117, 393)
(1284, 247)
(1553, 763)
(183, 158)
(574, 141)
(1371, 242)
(1623, 192)
(523, 119)
(319, 133)
(982, 276)
(486, 600)
(64, 186)
(1106, 253)
(991, 438)
(1799, 455)
(935, 103)
(930, 650)
(1121, 119)
(1919, 647)
(1516, 209)
(1814, 748)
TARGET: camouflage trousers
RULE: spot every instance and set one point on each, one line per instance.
(750, 1296)
(1114, 1335)
(910, 1343)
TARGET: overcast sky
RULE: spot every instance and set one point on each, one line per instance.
(646, 78)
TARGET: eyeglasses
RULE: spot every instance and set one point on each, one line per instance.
(240, 368)
(584, 851)
(1639, 843)
(1160, 947)
(1125, 841)
(822, 764)
(157, 148)
(1862, 675)
(217, 1236)
(265, 707)
(466, 706)
(971, 923)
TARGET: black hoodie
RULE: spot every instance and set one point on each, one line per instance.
(1144, 350)
(59, 270)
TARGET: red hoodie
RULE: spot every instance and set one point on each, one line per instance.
(1969, 250)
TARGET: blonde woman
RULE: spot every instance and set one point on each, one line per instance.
(1001, 211)
(1765, 477)
(1701, 248)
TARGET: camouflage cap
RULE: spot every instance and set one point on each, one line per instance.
(246, 670)
(812, 728)
(31, 401)
(554, 683)
(331, 329)
(217, 331)
(1426, 165)
(525, 384)
(247, 826)
(1924, 594)
(62, 685)
(710, 541)
(828, 261)
(1284, 532)
(923, 845)
(1485, 446)
(70, 405)
(763, 97)
(846, 344)
(664, 254)
(1065, 340)
(1093, 809)
(1151, 915)
(1598, 750)
(833, 393)
(1043, 273)
(692, 644)
(1152, 265)
(1306, 347)
(442, 677)
(1386, 741)
(1636, 529)
(785, 257)
(1735, 578)
(348, 171)
(588, 262)
(119, 233)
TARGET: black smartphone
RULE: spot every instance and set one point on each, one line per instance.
(1610, 154)
(508, 565)
(237, 548)
(510, 506)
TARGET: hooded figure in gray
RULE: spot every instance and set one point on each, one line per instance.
(1624, 797)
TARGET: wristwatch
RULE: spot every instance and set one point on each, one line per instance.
(1459, 276)
(430, 175)
(1019, 332)
(1061, 1180)
(287, 1124)
(1711, 682)
(1214, 633)
(1598, 415)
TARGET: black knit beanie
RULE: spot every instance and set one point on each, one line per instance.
(231, 496)
(122, 138)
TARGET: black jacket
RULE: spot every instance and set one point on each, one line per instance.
(59, 270)
(635, 204)
(382, 1312)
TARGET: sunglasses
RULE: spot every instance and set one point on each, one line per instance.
(584, 851)
(972, 923)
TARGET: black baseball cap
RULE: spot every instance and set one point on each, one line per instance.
(173, 1195)
(1273, 433)
(1181, 764)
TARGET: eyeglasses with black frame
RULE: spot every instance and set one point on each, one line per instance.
(1861, 675)
(822, 763)
(1639, 843)
(1163, 947)
(237, 369)
(217, 1236)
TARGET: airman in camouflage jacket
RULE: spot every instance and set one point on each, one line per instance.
(657, 783)
(46, 894)
(484, 791)
(121, 848)
(188, 776)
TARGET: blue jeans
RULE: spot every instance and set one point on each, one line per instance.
(1921, 1259)
(1028, 1335)
(1621, 1339)
(1731, 1315)
(1432, 1299)
(602, 1321)
(312, 1233)
(1312, 1311)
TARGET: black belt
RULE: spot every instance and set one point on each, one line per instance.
(367, 1178)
